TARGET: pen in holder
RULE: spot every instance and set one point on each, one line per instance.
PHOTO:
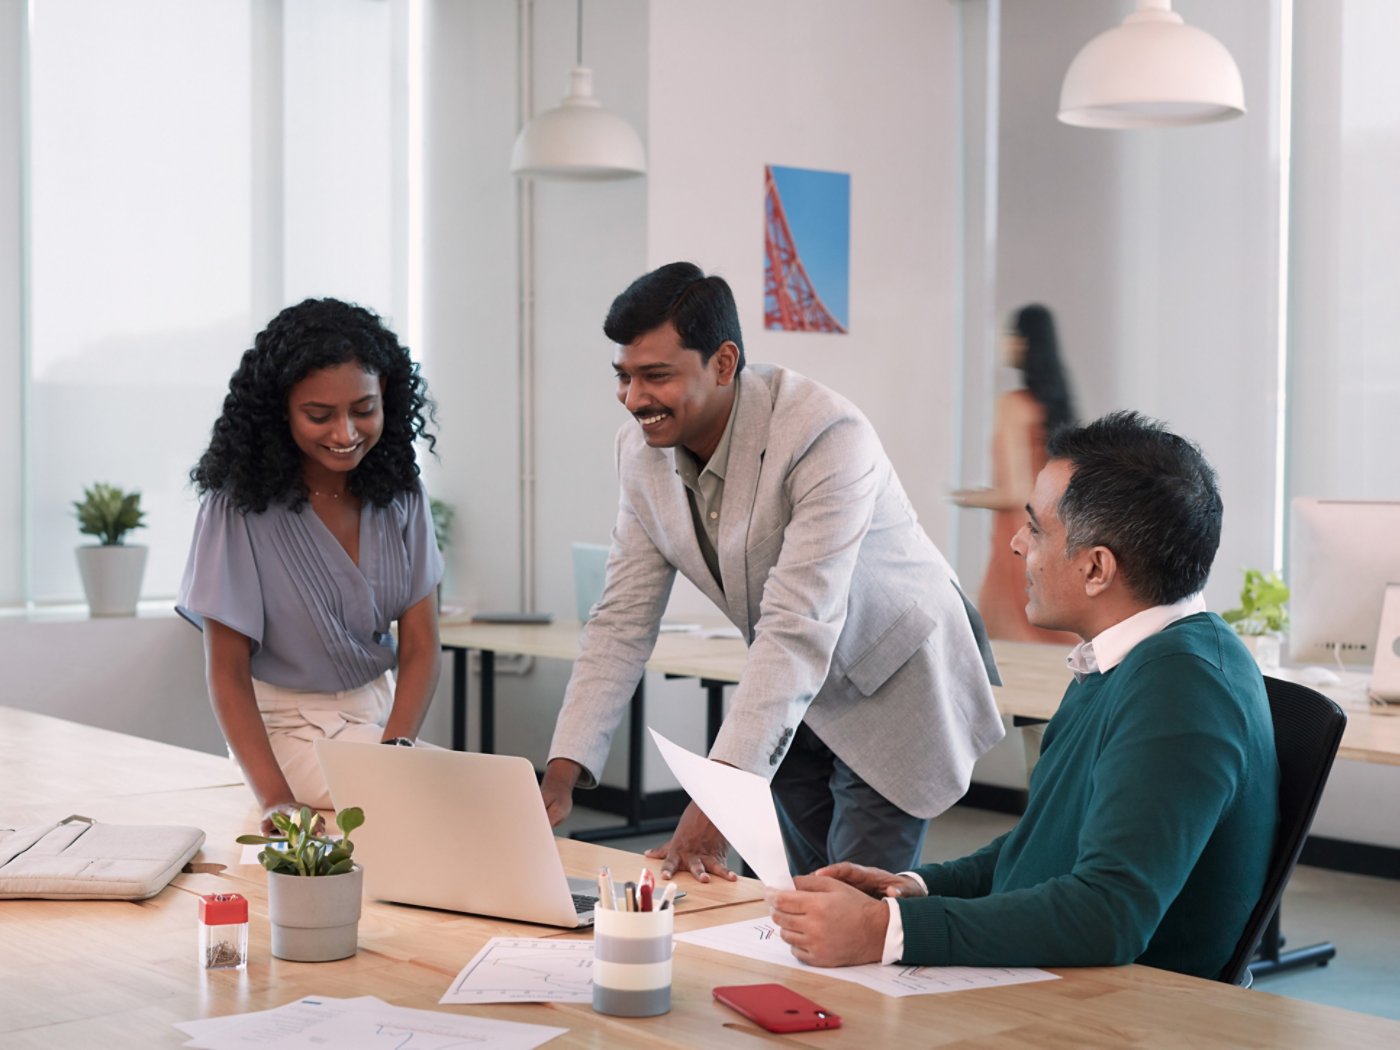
(632, 962)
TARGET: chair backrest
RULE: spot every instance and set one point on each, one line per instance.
(1307, 732)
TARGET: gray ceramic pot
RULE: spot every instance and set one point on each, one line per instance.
(315, 919)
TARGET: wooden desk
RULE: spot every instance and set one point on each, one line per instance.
(715, 661)
(1034, 678)
(79, 974)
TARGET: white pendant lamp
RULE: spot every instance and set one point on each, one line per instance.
(1153, 71)
(578, 139)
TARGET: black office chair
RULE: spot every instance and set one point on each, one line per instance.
(1307, 732)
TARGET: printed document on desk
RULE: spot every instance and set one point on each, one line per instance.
(526, 970)
(348, 1024)
(760, 939)
(737, 802)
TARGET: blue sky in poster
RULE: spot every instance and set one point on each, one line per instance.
(818, 207)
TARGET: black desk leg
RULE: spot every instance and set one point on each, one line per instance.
(459, 699)
(488, 702)
(714, 709)
(1271, 959)
(636, 750)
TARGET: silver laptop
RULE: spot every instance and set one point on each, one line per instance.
(455, 830)
(590, 562)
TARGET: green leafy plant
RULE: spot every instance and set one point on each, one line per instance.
(108, 513)
(300, 851)
(1263, 605)
(443, 513)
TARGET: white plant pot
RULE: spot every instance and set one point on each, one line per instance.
(1265, 650)
(315, 918)
(112, 577)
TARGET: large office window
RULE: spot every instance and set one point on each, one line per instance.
(191, 168)
(1344, 311)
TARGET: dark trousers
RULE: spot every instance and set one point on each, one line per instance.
(827, 813)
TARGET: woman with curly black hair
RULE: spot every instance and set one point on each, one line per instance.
(313, 537)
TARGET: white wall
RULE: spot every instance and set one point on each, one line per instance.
(1158, 251)
(11, 290)
(867, 89)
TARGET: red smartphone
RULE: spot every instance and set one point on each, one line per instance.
(776, 1007)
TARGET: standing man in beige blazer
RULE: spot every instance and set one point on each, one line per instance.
(866, 695)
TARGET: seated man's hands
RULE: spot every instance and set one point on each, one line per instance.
(557, 788)
(875, 881)
(697, 847)
(828, 922)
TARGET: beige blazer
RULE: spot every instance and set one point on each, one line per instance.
(854, 620)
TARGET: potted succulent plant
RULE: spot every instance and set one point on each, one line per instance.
(314, 889)
(111, 569)
(1262, 616)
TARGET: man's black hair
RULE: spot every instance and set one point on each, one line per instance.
(700, 308)
(1147, 495)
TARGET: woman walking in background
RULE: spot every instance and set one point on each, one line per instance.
(1024, 417)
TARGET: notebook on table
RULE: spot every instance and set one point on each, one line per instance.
(455, 830)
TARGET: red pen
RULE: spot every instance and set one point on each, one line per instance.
(644, 897)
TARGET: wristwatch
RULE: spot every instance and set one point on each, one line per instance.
(398, 741)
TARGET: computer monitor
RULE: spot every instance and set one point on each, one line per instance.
(1342, 555)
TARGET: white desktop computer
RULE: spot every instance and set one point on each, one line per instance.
(1344, 554)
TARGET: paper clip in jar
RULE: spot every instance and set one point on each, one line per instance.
(223, 931)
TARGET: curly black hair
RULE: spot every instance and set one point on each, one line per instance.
(251, 455)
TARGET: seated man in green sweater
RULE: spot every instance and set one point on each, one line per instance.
(1152, 810)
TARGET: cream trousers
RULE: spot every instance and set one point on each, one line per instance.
(296, 720)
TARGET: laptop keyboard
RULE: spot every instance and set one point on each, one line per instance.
(584, 903)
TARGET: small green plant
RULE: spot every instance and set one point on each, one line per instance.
(108, 513)
(443, 513)
(1263, 605)
(300, 851)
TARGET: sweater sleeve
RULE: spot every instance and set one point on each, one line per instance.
(969, 876)
(1170, 761)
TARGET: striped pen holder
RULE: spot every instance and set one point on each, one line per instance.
(632, 962)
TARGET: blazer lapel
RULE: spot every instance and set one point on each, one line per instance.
(747, 443)
(672, 503)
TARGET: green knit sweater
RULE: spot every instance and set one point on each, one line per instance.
(1148, 829)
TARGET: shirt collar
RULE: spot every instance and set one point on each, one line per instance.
(688, 466)
(1111, 646)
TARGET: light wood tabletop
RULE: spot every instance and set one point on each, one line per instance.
(82, 974)
(1034, 675)
(115, 974)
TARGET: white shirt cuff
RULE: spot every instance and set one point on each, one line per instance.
(894, 932)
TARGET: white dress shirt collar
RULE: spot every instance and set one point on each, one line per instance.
(1107, 649)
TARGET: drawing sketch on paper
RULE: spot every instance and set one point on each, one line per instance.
(526, 970)
(806, 249)
(759, 939)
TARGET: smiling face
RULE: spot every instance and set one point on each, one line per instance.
(676, 397)
(1057, 587)
(336, 415)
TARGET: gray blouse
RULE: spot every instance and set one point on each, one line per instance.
(317, 621)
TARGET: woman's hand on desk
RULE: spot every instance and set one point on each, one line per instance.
(290, 809)
(697, 847)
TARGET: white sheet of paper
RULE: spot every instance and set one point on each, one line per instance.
(737, 802)
(526, 970)
(759, 939)
(365, 1022)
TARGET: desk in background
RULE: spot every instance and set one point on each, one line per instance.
(716, 662)
(79, 974)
